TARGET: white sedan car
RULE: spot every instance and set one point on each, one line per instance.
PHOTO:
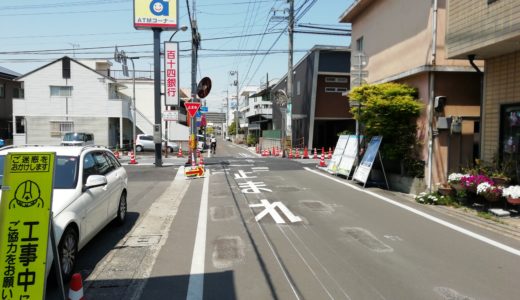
(90, 190)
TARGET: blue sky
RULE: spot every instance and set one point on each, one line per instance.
(92, 28)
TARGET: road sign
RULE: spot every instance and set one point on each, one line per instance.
(25, 212)
(170, 115)
(204, 109)
(194, 171)
(192, 108)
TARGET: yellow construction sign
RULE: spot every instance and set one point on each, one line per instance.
(25, 211)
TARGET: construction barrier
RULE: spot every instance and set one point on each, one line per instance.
(132, 159)
(76, 288)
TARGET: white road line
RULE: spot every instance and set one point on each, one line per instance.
(196, 283)
(427, 216)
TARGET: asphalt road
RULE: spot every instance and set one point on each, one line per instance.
(272, 228)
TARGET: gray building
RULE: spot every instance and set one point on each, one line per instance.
(319, 111)
(9, 89)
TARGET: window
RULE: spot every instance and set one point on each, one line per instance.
(335, 90)
(20, 124)
(18, 93)
(58, 128)
(336, 79)
(298, 88)
(360, 44)
(61, 91)
(2, 90)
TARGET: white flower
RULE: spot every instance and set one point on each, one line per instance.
(512, 191)
(483, 187)
(455, 177)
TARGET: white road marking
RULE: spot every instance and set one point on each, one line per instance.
(243, 175)
(270, 208)
(196, 283)
(427, 216)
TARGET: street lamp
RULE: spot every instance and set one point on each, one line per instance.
(282, 99)
(358, 104)
(182, 28)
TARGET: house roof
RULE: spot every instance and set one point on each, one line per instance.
(354, 10)
(8, 74)
(311, 51)
(71, 59)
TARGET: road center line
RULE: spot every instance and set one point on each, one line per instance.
(196, 283)
(427, 216)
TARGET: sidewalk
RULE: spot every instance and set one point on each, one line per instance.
(508, 226)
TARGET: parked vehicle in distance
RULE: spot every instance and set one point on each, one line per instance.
(145, 142)
(89, 191)
(77, 139)
(201, 143)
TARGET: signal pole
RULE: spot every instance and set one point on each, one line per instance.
(195, 43)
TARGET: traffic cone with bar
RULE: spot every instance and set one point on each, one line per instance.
(76, 288)
(330, 154)
(322, 160)
(179, 153)
(315, 156)
(132, 158)
(305, 153)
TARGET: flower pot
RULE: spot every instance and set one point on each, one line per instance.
(514, 201)
(491, 197)
(445, 191)
(457, 186)
(500, 180)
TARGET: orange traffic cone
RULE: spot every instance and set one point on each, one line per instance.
(330, 154)
(193, 159)
(322, 160)
(290, 153)
(297, 153)
(132, 159)
(179, 153)
(76, 288)
(116, 154)
(201, 161)
(322, 149)
(305, 153)
(315, 156)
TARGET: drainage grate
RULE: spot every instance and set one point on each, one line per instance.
(143, 240)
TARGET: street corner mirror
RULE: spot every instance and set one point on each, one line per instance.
(440, 102)
(204, 87)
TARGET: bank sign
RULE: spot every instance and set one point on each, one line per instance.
(25, 210)
(150, 14)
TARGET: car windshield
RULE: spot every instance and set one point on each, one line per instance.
(73, 137)
(65, 171)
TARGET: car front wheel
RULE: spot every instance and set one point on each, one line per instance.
(138, 148)
(68, 252)
(121, 210)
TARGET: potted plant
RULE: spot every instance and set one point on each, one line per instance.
(454, 179)
(472, 181)
(500, 178)
(512, 194)
(489, 191)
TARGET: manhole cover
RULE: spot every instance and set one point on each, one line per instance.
(220, 213)
(227, 251)
(366, 238)
(142, 240)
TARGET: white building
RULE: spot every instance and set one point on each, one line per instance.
(67, 95)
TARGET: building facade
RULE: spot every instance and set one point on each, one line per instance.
(411, 50)
(9, 89)
(490, 30)
(319, 110)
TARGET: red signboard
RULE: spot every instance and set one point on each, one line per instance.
(192, 108)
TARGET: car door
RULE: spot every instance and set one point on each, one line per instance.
(118, 177)
(95, 199)
(107, 169)
(147, 141)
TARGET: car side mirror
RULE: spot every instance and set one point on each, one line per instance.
(95, 181)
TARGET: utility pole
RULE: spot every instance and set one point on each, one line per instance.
(236, 108)
(195, 43)
(288, 122)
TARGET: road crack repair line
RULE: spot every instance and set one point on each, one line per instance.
(134, 257)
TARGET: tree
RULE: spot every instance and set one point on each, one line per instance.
(390, 110)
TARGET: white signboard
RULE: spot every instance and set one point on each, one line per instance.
(170, 115)
(349, 156)
(364, 168)
(150, 14)
(338, 152)
(171, 73)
